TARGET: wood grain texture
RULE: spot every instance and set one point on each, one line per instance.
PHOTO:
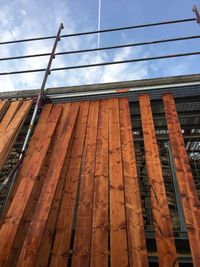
(82, 241)
(63, 234)
(11, 129)
(118, 227)
(28, 255)
(15, 212)
(48, 236)
(99, 244)
(31, 148)
(167, 255)
(4, 104)
(135, 226)
(189, 197)
(10, 113)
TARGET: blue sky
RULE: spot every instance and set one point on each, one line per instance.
(24, 18)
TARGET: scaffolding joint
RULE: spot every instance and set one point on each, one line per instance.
(196, 11)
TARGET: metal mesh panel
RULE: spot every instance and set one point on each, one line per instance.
(178, 92)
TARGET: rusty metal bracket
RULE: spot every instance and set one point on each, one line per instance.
(196, 11)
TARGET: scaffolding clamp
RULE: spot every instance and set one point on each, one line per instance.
(196, 11)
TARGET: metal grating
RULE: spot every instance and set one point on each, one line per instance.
(155, 94)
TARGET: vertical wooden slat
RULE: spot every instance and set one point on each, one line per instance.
(189, 197)
(3, 107)
(82, 242)
(33, 239)
(99, 244)
(163, 227)
(118, 235)
(48, 237)
(8, 137)
(61, 245)
(135, 226)
(31, 205)
(10, 113)
(15, 212)
(31, 148)
(29, 211)
(14, 125)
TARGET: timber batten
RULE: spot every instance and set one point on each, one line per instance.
(77, 199)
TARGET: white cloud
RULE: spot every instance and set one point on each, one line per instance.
(24, 19)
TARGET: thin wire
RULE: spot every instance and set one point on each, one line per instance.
(104, 63)
(104, 48)
(101, 31)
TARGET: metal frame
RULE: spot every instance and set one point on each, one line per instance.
(40, 98)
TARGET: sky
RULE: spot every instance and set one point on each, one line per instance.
(20, 19)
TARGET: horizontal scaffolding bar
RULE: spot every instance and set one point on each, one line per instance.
(101, 31)
(104, 63)
(105, 48)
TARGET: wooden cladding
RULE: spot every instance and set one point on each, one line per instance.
(190, 201)
(12, 116)
(163, 227)
(77, 200)
(78, 182)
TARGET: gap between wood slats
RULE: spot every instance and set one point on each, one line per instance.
(167, 255)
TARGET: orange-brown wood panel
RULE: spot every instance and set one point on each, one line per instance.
(82, 241)
(41, 177)
(135, 226)
(48, 237)
(15, 212)
(8, 137)
(29, 211)
(63, 234)
(4, 104)
(190, 201)
(99, 244)
(30, 249)
(31, 148)
(18, 241)
(167, 255)
(10, 113)
(118, 226)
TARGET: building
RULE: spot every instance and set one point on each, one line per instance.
(111, 176)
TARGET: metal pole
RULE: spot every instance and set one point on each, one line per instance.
(40, 98)
(177, 191)
(41, 95)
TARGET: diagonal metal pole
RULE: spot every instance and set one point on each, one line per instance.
(40, 99)
(42, 90)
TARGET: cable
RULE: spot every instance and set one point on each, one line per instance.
(103, 64)
(104, 48)
(101, 31)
